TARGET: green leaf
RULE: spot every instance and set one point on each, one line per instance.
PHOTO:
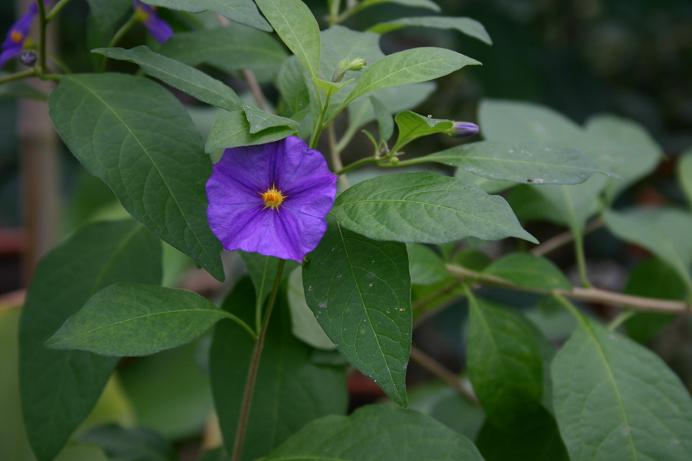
(425, 208)
(409, 66)
(21, 90)
(685, 174)
(529, 271)
(504, 362)
(230, 49)
(360, 292)
(343, 44)
(412, 126)
(59, 388)
(618, 401)
(537, 438)
(298, 29)
(133, 319)
(138, 139)
(303, 322)
(290, 390)
(491, 186)
(663, 231)
(385, 123)
(130, 444)
(232, 129)
(105, 17)
(466, 26)
(376, 433)
(395, 99)
(427, 4)
(260, 120)
(242, 11)
(425, 266)
(181, 76)
(521, 163)
(448, 407)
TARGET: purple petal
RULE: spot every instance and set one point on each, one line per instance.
(21, 26)
(158, 28)
(8, 54)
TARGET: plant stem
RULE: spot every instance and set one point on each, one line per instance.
(438, 370)
(42, 36)
(357, 164)
(119, 34)
(589, 294)
(581, 258)
(249, 390)
(319, 126)
(56, 10)
(334, 7)
(17, 76)
(564, 238)
(335, 155)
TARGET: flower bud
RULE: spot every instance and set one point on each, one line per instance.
(345, 66)
(357, 64)
(465, 129)
(28, 58)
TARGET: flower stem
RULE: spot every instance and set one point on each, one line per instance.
(248, 392)
(319, 126)
(56, 10)
(17, 76)
(119, 34)
(581, 258)
(42, 36)
(357, 164)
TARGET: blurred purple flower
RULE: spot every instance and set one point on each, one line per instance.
(17, 35)
(271, 199)
(465, 129)
(157, 27)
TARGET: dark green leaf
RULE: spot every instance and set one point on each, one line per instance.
(360, 292)
(618, 401)
(260, 120)
(466, 26)
(385, 123)
(290, 389)
(427, 4)
(134, 319)
(448, 407)
(181, 76)
(425, 208)
(21, 90)
(105, 17)
(59, 388)
(132, 444)
(504, 362)
(529, 271)
(376, 433)
(138, 139)
(242, 11)
(232, 129)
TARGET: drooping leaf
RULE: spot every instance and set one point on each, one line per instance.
(425, 266)
(425, 208)
(685, 174)
(298, 29)
(290, 389)
(360, 292)
(504, 362)
(242, 11)
(303, 322)
(181, 76)
(376, 433)
(228, 48)
(135, 319)
(529, 271)
(521, 163)
(409, 66)
(618, 401)
(138, 139)
(663, 231)
(412, 126)
(466, 26)
(57, 397)
(130, 444)
(232, 129)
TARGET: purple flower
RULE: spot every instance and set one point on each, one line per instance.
(271, 199)
(157, 27)
(465, 129)
(17, 35)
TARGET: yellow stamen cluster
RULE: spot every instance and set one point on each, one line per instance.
(16, 36)
(273, 198)
(141, 14)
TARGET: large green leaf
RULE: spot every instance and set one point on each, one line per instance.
(229, 49)
(466, 26)
(425, 208)
(376, 433)
(298, 29)
(617, 401)
(303, 322)
(360, 292)
(529, 271)
(664, 231)
(59, 388)
(504, 362)
(409, 66)
(132, 319)
(181, 76)
(242, 11)
(685, 174)
(521, 163)
(137, 138)
(232, 129)
(290, 390)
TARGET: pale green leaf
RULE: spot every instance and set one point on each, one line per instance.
(385, 123)
(134, 319)
(529, 271)
(303, 322)
(412, 126)
(427, 4)
(491, 186)
(426, 266)
(376, 433)
(242, 11)
(448, 407)
(466, 26)
(138, 139)
(360, 292)
(60, 388)
(685, 174)
(260, 120)
(232, 129)
(617, 401)
(425, 208)
(395, 99)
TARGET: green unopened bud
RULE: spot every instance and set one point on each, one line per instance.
(346, 65)
(357, 64)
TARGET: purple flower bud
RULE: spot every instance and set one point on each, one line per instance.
(28, 58)
(17, 35)
(465, 129)
(157, 27)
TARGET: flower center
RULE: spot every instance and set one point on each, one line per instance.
(16, 36)
(141, 14)
(273, 198)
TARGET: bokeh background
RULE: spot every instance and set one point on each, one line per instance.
(632, 58)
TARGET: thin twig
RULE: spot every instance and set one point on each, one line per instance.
(255, 89)
(564, 238)
(17, 76)
(42, 54)
(56, 10)
(438, 370)
(335, 155)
